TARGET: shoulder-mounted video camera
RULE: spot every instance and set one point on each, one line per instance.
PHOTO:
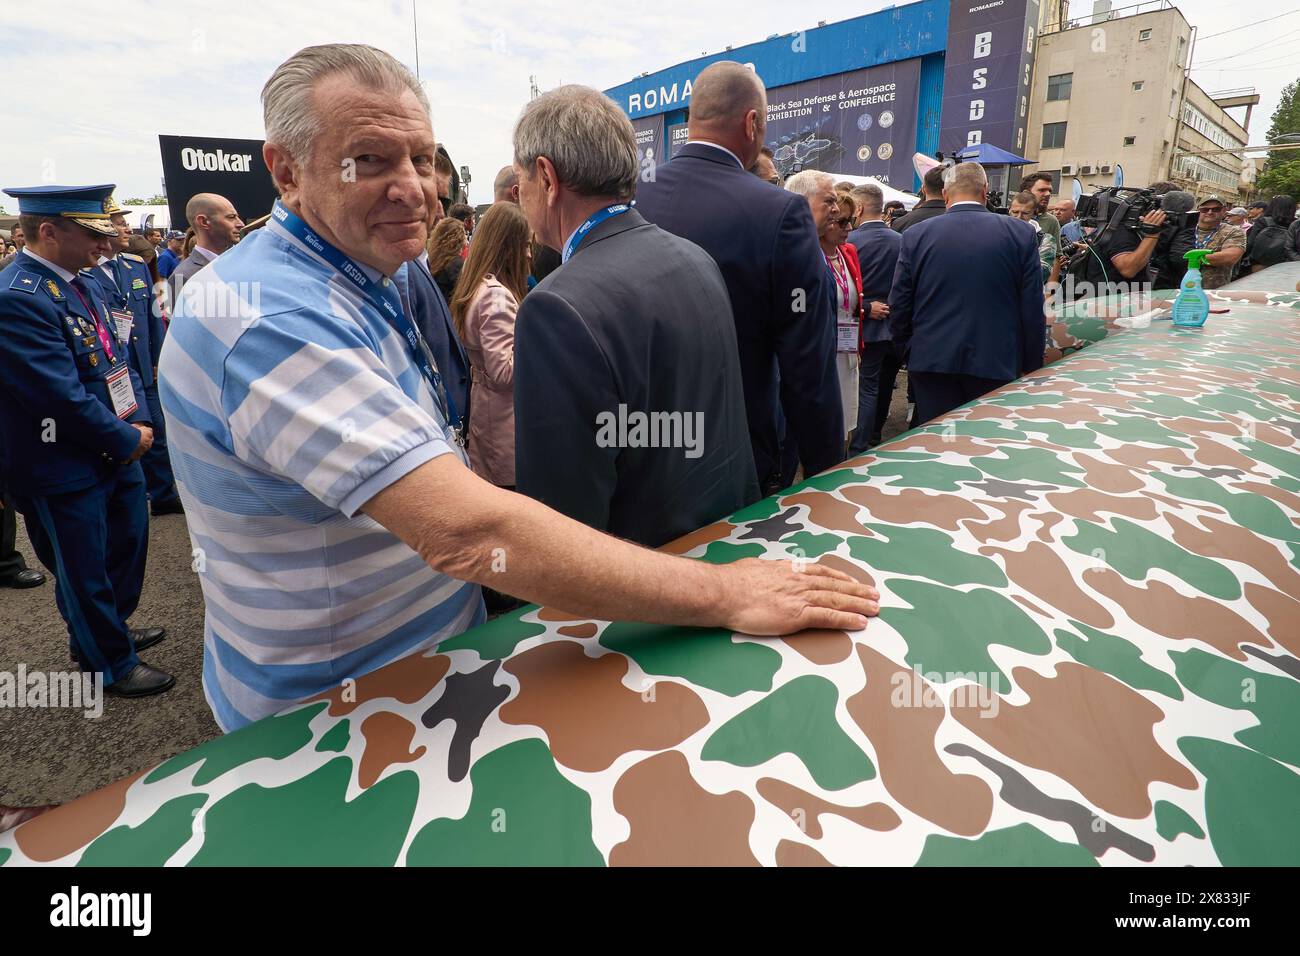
(1122, 207)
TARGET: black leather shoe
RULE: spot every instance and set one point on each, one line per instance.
(141, 681)
(27, 578)
(171, 508)
(146, 637)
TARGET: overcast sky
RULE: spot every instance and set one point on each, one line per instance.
(90, 85)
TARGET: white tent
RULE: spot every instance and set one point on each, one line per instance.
(891, 194)
(138, 216)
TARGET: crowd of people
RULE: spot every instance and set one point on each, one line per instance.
(379, 407)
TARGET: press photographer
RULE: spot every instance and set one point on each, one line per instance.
(1114, 258)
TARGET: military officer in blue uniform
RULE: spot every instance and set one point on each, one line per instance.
(128, 288)
(73, 425)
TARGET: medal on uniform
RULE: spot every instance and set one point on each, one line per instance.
(94, 359)
(137, 283)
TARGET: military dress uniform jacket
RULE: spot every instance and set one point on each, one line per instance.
(131, 289)
(58, 431)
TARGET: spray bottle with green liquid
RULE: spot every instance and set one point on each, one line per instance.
(1192, 305)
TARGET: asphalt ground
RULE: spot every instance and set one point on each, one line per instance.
(51, 756)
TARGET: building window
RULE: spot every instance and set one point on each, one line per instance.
(1058, 87)
(1130, 140)
(1137, 87)
(1144, 35)
(1053, 136)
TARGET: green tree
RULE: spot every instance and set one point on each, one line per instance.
(1286, 121)
(1282, 178)
(151, 201)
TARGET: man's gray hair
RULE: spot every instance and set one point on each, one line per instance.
(808, 182)
(287, 96)
(965, 178)
(588, 139)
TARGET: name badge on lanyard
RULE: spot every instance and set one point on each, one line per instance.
(389, 307)
(124, 322)
(120, 392)
(609, 212)
(846, 339)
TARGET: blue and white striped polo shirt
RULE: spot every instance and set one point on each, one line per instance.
(290, 403)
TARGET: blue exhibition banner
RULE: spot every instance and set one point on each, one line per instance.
(988, 73)
(861, 123)
(649, 138)
(678, 134)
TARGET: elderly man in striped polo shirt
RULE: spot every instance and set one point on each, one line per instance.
(337, 523)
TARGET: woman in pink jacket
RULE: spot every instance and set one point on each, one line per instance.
(494, 279)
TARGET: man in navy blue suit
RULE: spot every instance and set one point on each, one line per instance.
(877, 246)
(765, 245)
(967, 298)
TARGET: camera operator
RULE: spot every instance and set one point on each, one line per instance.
(1117, 260)
(1176, 238)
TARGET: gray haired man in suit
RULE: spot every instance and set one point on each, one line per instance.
(629, 405)
(216, 229)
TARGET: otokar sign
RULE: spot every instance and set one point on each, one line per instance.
(229, 167)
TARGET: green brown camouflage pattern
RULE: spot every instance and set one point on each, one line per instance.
(1088, 652)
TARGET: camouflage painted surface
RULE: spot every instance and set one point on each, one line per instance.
(1088, 653)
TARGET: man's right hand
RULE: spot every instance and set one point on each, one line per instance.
(146, 442)
(879, 310)
(1153, 220)
(780, 597)
(557, 562)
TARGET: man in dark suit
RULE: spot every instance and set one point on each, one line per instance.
(765, 245)
(629, 407)
(216, 228)
(968, 298)
(877, 247)
(932, 205)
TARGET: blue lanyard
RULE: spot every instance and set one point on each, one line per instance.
(384, 298)
(609, 212)
(1205, 243)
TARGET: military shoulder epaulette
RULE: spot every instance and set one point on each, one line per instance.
(132, 256)
(26, 281)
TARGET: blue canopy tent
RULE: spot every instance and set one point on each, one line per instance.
(987, 155)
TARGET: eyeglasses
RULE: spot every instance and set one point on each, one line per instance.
(842, 223)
